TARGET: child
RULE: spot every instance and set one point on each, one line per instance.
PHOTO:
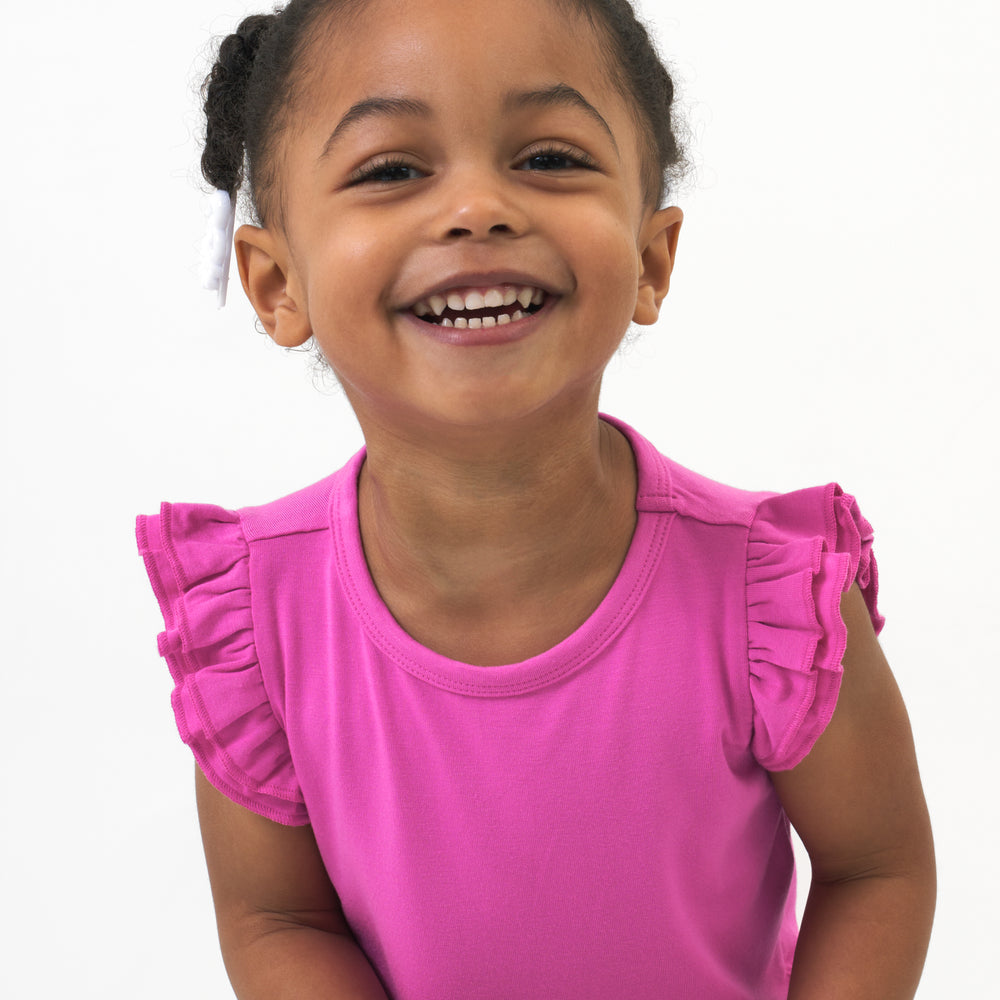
(512, 706)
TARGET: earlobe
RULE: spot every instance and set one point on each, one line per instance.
(659, 242)
(265, 272)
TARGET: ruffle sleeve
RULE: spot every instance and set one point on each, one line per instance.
(805, 550)
(198, 563)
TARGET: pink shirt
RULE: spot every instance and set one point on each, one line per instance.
(594, 822)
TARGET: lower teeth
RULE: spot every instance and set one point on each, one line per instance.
(477, 322)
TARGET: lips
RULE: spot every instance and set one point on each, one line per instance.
(474, 308)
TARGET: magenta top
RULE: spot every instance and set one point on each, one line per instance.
(596, 821)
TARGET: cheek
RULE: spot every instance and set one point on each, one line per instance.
(350, 267)
(613, 266)
(348, 254)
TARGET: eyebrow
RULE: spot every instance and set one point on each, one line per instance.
(375, 107)
(558, 95)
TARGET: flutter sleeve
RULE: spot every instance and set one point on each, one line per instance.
(805, 550)
(198, 563)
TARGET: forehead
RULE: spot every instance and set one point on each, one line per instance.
(446, 52)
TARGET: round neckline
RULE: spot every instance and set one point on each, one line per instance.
(571, 654)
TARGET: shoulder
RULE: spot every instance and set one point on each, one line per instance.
(793, 555)
(823, 510)
(205, 562)
(704, 499)
(667, 486)
(306, 510)
(184, 542)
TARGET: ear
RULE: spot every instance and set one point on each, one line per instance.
(268, 279)
(658, 243)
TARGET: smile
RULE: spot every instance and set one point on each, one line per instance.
(476, 308)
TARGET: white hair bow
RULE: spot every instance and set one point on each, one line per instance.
(217, 246)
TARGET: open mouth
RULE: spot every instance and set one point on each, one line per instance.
(475, 308)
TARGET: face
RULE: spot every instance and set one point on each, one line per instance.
(465, 234)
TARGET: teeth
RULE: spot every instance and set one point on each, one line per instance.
(492, 298)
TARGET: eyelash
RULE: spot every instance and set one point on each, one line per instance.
(575, 158)
(375, 173)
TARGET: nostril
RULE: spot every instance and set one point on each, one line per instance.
(500, 229)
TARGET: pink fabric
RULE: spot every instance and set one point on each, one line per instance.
(596, 821)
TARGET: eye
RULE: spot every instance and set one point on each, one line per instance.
(386, 171)
(556, 157)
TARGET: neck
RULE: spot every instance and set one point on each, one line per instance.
(493, 553)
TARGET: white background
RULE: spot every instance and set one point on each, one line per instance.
(833, 316)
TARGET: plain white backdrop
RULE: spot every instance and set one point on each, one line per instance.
(833, 316)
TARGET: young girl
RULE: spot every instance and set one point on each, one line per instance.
(513, 706)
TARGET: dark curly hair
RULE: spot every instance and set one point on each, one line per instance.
(260, 69)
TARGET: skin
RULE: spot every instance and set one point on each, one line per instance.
(857, 803)
(495, 509)
(453, 430)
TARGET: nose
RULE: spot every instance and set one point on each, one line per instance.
(479, 204)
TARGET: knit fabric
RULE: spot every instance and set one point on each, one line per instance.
(596, 821)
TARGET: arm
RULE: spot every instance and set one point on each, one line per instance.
(281, 927)
(857, 804)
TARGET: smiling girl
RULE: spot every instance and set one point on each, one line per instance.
(513, 706)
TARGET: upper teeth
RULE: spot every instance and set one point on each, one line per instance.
(488, 298)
